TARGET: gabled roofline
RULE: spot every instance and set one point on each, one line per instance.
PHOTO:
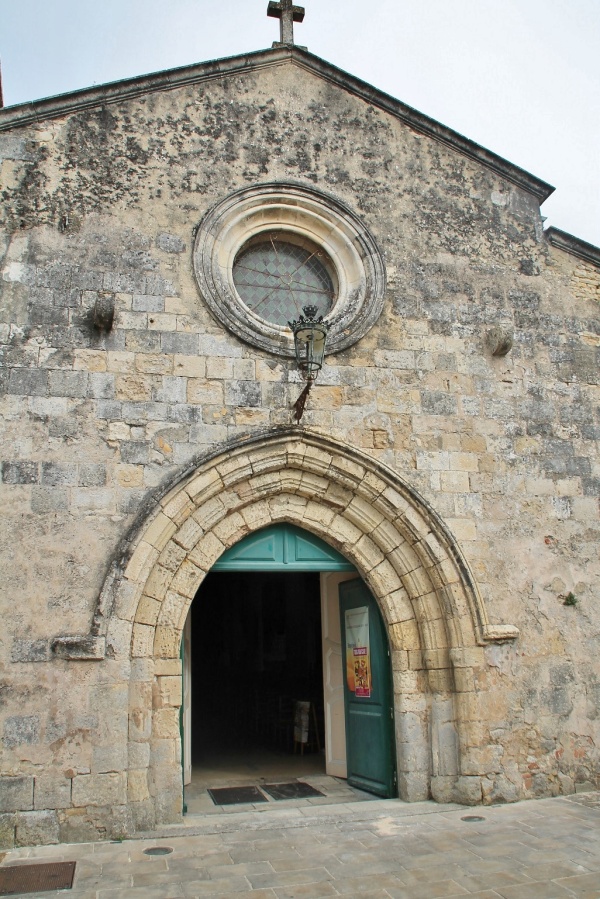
(573, 245)
(118, 91)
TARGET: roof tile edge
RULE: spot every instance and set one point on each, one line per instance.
(119, 91)
(573, 245)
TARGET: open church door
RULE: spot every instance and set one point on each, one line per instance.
(368, 697)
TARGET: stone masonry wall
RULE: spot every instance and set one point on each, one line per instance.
(104, 203)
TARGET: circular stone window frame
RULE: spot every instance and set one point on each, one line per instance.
(304, 213)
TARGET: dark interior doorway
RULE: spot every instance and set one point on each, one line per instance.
(256, 651)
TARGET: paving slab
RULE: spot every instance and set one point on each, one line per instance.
(545, 849)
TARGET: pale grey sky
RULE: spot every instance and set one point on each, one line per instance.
(520, 77)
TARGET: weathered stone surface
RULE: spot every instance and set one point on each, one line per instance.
(52, 791)
(16, 793)
(99, 789)
(35, 828)
(21, 729)
(464, 485)
(8, 824)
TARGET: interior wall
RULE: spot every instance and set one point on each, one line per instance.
(256, 649)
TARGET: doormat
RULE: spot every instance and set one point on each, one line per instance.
(235, 795)
(37, 878)
(296, 790)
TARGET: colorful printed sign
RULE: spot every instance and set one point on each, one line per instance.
(358, 663)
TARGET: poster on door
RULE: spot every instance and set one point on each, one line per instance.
(358, 662)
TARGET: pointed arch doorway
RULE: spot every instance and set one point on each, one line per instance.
(271, 627)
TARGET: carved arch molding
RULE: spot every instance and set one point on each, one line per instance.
(435, 616)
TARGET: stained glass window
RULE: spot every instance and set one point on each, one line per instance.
(276, 279)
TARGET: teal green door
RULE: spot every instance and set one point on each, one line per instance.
(368, 697)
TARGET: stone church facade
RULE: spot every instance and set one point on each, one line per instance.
(449, 449)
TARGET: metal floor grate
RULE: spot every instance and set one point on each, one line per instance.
(236, 795)
(36, 878)
(295, 790)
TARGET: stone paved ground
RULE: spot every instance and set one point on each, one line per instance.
(549, 849)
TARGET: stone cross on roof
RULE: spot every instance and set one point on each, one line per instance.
(287, 14)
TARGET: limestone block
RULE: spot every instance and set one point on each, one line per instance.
(416, 582)
(230, 529)
(16, 794)
(140, 693)
(137, 785)
(160, 531)
(462, 528)
(140, 723)
(167, 642)
(468, 657)
(202, 486)
(52, 791)
(413, 786)
(167, 692)
(406, 682)
(90, 360)
(405, 558)
(158, 582)
(178, 507)
(138, 755)
(84, 825)
(153, 363)
(500, 789)
(186, 580)
(440, 680)
(256, 516)
(141, 561)
(384, 579)
(8, 823)
(201, 392)
(99, 789)
(404, 635)
(173, 611)
(166, 751)
(172, 556)
(108, 759)
(165, 723)
(142, 643)
(432, 461)
(206, 552)
(189, 366)
(118, 638)
(142, 815)
(20, 730)
(464, 680)
(364, 515)
(166, 667)
(387, 536)
(148, 610)
(463, 461)
(454, 481)
(399, 659)
(416, 661)
(484, 760)
(188, 534)
(36, 828)
(209, 514)
(468, 790)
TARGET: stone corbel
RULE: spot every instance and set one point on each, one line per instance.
(499, 633)
(79, 647)
(499, 341)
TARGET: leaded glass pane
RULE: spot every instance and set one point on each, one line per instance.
(277, 279)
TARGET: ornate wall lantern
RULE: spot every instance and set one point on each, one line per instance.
(310, 335)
